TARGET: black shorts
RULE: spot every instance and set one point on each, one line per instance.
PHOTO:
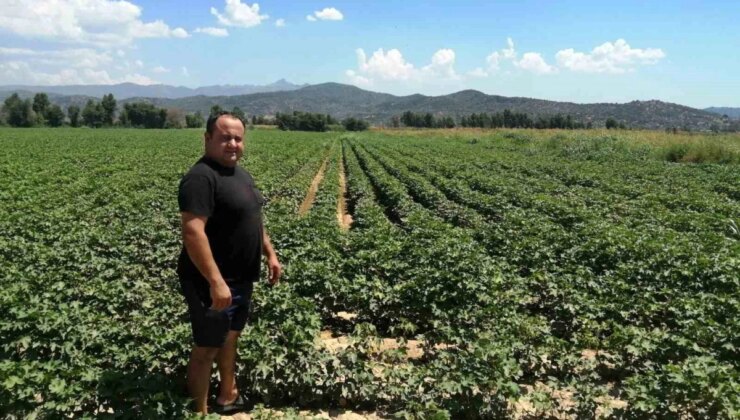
(210, 326)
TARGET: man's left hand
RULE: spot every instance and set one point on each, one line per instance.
(274, 270)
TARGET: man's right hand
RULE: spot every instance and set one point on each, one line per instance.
(220, 295)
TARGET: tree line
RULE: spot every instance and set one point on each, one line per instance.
(505, 119)
(39, 111)
(309, 121)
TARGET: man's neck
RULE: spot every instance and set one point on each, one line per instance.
(218, 165)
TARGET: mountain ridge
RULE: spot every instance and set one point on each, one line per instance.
(732, 112)
(129, 90)
(341, 101)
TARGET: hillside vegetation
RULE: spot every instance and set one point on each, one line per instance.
(343, 101)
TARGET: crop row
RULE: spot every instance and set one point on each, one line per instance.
(599, 282)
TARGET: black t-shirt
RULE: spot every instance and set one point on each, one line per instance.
(233, 205)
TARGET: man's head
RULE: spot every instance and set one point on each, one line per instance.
(224, 138)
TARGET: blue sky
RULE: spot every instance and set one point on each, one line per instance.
(580, 51)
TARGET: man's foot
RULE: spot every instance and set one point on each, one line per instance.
(239, 403)
(225, 400)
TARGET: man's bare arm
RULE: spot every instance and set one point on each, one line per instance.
(273, 265)
(199, 250)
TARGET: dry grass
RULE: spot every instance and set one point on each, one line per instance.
(682, 147)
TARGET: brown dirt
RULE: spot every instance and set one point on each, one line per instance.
(347, 316)
(311, 193)
(523, 408)
(414, 348)
(589, 354)
(563, 399)
(339, 414)
(343, 218)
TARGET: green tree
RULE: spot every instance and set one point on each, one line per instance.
(73, 112)
(215, 109)
(143, 115)
(40, 106)
(428, 120)
(108, 105)
(18, 112)
(175, 118)
(355, 124)
(195, 120)
(237, 112)
(611, 123)
(302, 121)
(55, 116)
(93, 114)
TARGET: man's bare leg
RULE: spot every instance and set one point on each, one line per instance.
(226, 362)
(199, 376)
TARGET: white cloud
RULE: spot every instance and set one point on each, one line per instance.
(240, 14)
(534, 63)
(530, 61)
(509, 53)
(161, 69)
(443, 64)
(21, 72)
(328, 13)
(386, 66)
(156, 29)
(180, 33)
(477, 72)
(280, 23)
(495, 58)
(356, 79)
(310, 18)
(220, 32)
(76, 57)
(185, 71)
(139, 63)
(96, 22)
(615, 58)
(389, 69)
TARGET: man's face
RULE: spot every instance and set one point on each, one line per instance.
(226, 144)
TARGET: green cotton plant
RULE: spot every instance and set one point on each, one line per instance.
(503, 268)
(699, 387)
(280, 360)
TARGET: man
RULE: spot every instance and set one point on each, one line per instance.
(223, 241)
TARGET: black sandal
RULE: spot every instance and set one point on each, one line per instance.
(239, 404)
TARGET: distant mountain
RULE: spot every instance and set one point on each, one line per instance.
(343, 101)
(730, 112)
(132, 90)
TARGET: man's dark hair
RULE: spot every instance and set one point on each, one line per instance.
(215, 116)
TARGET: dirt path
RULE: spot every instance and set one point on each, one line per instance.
(311, 193)
(343, 217)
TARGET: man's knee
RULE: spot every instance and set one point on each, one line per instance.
(233, 336)
(202, 355)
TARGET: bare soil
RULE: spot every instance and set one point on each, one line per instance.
(311, 193)
(339, 414)
(343, 217)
